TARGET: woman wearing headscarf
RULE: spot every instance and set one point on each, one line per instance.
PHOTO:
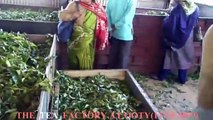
(178, 39)
(90, 32)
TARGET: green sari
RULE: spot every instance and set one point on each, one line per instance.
(81, 49)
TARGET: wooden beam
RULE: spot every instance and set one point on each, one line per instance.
(112, 74)
(140, 94)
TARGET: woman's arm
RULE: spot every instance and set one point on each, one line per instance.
(69, 13)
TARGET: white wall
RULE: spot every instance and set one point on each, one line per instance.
(205, 2)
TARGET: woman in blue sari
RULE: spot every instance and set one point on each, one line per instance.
(178, 39)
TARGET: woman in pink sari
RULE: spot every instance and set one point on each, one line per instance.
(90, 32)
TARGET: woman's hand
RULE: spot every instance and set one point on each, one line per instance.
(65, 15)
(76, 14)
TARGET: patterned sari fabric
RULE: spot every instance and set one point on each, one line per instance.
(101, 31)
(93, 34)
(81, 47)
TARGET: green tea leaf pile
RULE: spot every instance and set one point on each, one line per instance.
(21, 75)
(29, 15)
(97, 94)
